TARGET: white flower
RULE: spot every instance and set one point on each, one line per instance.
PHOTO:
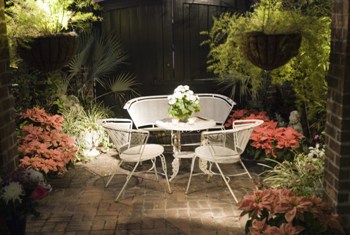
(171, 100)
(34, 175)
(192, 98)
(183, 102)
(180, 89)
(178, 95)
(317, 151)
(12, 192)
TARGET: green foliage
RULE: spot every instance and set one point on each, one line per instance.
(32, 88)
(306, 72)
(304, 175)
(32, 18)
(99, 57)
(81, 122)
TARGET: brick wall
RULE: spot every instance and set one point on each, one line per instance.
(8, 154)
(337, 172)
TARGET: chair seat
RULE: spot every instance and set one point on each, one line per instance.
(223, 155)
(149, 152)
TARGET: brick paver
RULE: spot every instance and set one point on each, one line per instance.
(80, 204)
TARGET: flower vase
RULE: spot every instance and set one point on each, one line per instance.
(16, 224)
(183, 119)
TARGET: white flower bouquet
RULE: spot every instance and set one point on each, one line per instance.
(19, 191)
(183, 103)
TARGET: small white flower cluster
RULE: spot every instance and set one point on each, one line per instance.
(317, 151)
(183, 92)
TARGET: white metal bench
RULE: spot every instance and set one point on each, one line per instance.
(146, 110)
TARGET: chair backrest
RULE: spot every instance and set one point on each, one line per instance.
(124, 123)
(127, 139)
(236, 138)
(146, 110)
(215, 106)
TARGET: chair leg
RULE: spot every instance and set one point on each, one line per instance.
(211, 172)
(189, 179)
(162, 159)
(110, 178)
(226, 182)
(127, 181)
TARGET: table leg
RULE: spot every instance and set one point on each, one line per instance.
(203, 166)
(176, 166)
(176, 143)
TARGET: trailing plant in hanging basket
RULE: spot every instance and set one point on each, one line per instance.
(272, 37)
(37, 25)
(270, 51)
(305, 72)
(51, 52)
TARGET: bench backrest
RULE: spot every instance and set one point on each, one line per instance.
(146, 110)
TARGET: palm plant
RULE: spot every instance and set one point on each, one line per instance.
(99, 57)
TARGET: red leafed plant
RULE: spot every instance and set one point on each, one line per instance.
(280, 211)
(268, 140)
(43, 145)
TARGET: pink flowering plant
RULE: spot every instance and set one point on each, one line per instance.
(281, 212)
(268, 140)
(42, 143)
(20, 190)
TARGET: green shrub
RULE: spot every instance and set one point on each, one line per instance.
(82, 124)
(303, 175)
(306, 72)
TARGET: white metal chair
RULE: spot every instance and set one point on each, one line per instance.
(132, 147)
(224, 147)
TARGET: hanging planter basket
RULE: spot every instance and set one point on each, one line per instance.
(270, 51)
(49, 53)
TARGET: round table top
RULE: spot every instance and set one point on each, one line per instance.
(193, 124)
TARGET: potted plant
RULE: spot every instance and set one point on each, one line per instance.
(40, 30)
(271, 36)
(304, 175)
(301, 74)
(269, 141)
(183, 103)
(280, 211)
(19, 191)
(43, 145)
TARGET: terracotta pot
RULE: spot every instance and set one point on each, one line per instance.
(270, 51)
(49, 53)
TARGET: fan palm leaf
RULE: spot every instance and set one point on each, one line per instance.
(100, 55)
(122, 86)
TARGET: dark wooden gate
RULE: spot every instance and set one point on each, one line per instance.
(163, 40)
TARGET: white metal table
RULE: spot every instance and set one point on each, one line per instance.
(194, 124)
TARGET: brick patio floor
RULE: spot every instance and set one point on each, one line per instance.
(80, 204)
